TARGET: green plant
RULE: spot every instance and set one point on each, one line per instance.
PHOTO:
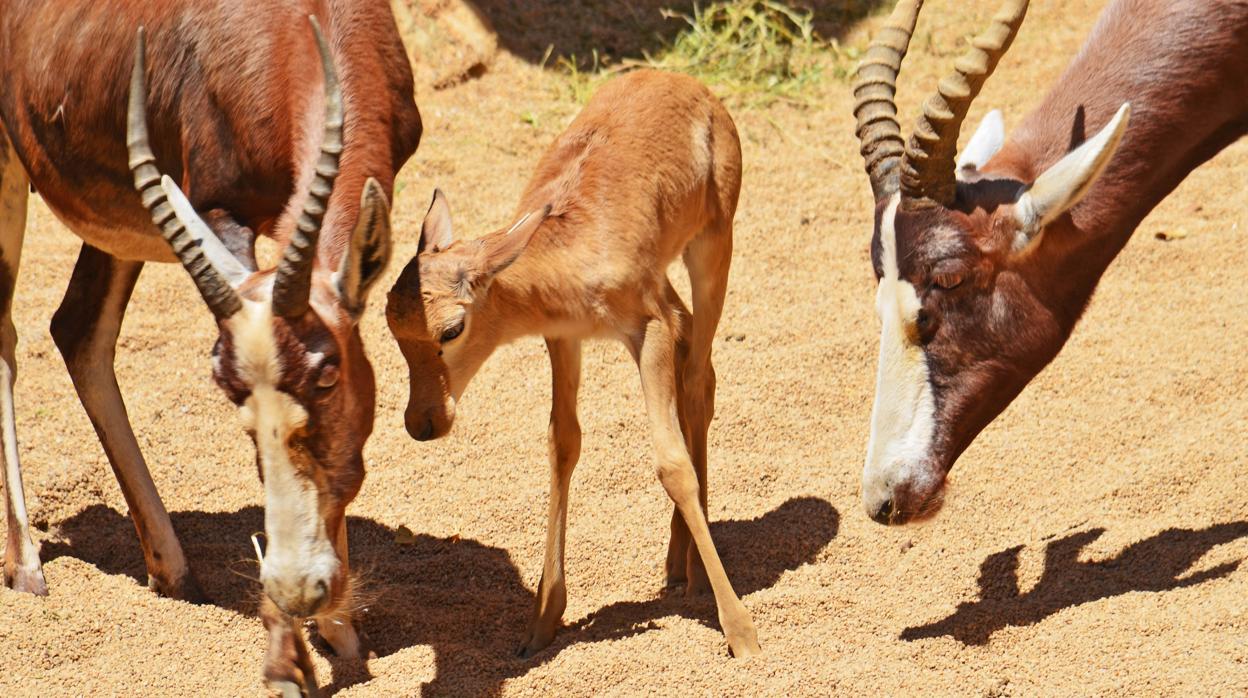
(755, 51)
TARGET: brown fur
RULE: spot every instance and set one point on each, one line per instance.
(235, 109)
(648, 171)
(1184, 69)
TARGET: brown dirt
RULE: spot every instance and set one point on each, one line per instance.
(1091, 545)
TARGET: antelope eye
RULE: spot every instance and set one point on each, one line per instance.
(451, 334)
(328, 377)
(947, 280)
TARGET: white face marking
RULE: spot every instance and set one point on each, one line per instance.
(903, 417)
(299, 552)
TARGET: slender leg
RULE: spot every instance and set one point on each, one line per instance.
(85, 329)
(21, 558)
(708, 258)
(679, 548)
(288, 667)
(654, 350)
(564, 440)
(337, 628)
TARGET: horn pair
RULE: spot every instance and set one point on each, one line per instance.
(923, 170)
(293, 281)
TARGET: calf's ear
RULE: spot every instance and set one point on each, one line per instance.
(436, 232)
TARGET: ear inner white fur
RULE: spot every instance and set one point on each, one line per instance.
(369, 251)
(1062, 186)
(218, 255)
(986, 142)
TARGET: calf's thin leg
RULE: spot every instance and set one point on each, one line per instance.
(654, 349)
(680, 547)
(565, 450)
(707, 258)
(85, 329)
(22, 570)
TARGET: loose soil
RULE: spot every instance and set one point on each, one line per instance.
(1092, 543)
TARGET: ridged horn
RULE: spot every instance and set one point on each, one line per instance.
(294, 273)
(928, 170)
(220, 296)
(875, 89)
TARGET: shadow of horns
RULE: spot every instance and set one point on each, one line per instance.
(1155, 564)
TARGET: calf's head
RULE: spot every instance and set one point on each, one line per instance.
(964, 322)
(288, 354)
(440, 313)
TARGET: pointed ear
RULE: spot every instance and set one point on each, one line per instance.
(369, 251)
(1061, 186)
(500, 250)
(988, 139)
(435, 232)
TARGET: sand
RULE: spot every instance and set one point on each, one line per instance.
(1092, 542)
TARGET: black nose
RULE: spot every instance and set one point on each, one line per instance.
(885, 512)
(427, 432)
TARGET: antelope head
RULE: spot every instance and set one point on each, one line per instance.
(288, 354)
(966, 321)
(440, 313)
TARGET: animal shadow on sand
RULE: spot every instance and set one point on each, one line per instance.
(1155, 564)
(582, 31)
(464, 599)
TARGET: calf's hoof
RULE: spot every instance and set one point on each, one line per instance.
(743, 642)
(536, 641)
(182, 588)
(28, 580)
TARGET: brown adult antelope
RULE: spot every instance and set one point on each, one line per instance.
(648, 171)
(986, 263)
(248, 117)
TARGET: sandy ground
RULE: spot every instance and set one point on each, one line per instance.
(1092, 543)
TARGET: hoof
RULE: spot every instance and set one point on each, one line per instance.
(340, 638)
(184, 589)
(744, 644)
(28, 581)
(533, 645)
(291, 689)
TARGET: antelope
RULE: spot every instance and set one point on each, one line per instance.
(986, 261)
(256, 133)
(649, 170)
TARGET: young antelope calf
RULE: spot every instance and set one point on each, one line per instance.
(649, 170)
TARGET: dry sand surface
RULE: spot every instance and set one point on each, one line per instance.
(1092, 543)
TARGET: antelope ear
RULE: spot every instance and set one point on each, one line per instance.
(1061, 186)
(369, 251)
(988, 139)
(436, 233)
(498, 251)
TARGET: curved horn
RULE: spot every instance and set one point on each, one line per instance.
(875, 87)
(220, 296)
(928, 172)
(294, 273)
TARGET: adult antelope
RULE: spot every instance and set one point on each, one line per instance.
(246, 111)
(648, 171)
(986, 262)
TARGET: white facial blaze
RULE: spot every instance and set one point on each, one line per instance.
(299, 552)
(903, 417)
